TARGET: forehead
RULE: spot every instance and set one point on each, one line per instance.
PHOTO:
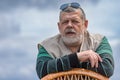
(70, 15)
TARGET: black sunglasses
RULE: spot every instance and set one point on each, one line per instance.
(74, 5)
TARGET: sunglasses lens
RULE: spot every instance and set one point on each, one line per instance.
(74, 5)
(64, 6)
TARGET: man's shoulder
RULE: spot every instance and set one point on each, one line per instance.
(95, 40)
(50, 41)
(96, 36)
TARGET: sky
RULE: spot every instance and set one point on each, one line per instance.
(25, 23)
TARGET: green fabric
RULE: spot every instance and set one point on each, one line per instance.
(43, 52)
(52, 66)
(46, 64)
(66, 63)
(104, 47)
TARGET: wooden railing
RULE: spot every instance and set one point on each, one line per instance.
(75, 74)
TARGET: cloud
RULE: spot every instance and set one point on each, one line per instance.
(8, 26)
(34, 22)
(13, 4)
(18, 58)
(104, 18)
(7, 5)
(31, 21)
(24, 17)
(115, 44)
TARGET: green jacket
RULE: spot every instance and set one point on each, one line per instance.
(54, 56)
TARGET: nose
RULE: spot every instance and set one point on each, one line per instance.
(70, 24)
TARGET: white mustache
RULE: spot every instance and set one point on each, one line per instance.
(69, 30)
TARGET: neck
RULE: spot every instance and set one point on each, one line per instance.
(74, 48)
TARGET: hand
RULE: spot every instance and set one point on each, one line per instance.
(91, 56)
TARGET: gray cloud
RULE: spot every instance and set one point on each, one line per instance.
(8, 26)
(11, 4)
(18, 54)
(7, 5)
(17, 61)
(116, 50)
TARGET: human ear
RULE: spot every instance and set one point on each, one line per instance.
(86, 24)
(59, 26)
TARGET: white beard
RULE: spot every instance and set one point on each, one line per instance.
(72, 41)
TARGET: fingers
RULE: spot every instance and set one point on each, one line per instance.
(99, 58)
(91, 56)
(94, 59)
(96, 62)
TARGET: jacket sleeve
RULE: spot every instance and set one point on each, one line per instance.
(106, 67)
(46, 64)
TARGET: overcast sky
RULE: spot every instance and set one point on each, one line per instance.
(24, 23)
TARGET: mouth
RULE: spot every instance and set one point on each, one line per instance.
(70, 33)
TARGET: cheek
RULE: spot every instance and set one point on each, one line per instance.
(79, 30)
(61, 29)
